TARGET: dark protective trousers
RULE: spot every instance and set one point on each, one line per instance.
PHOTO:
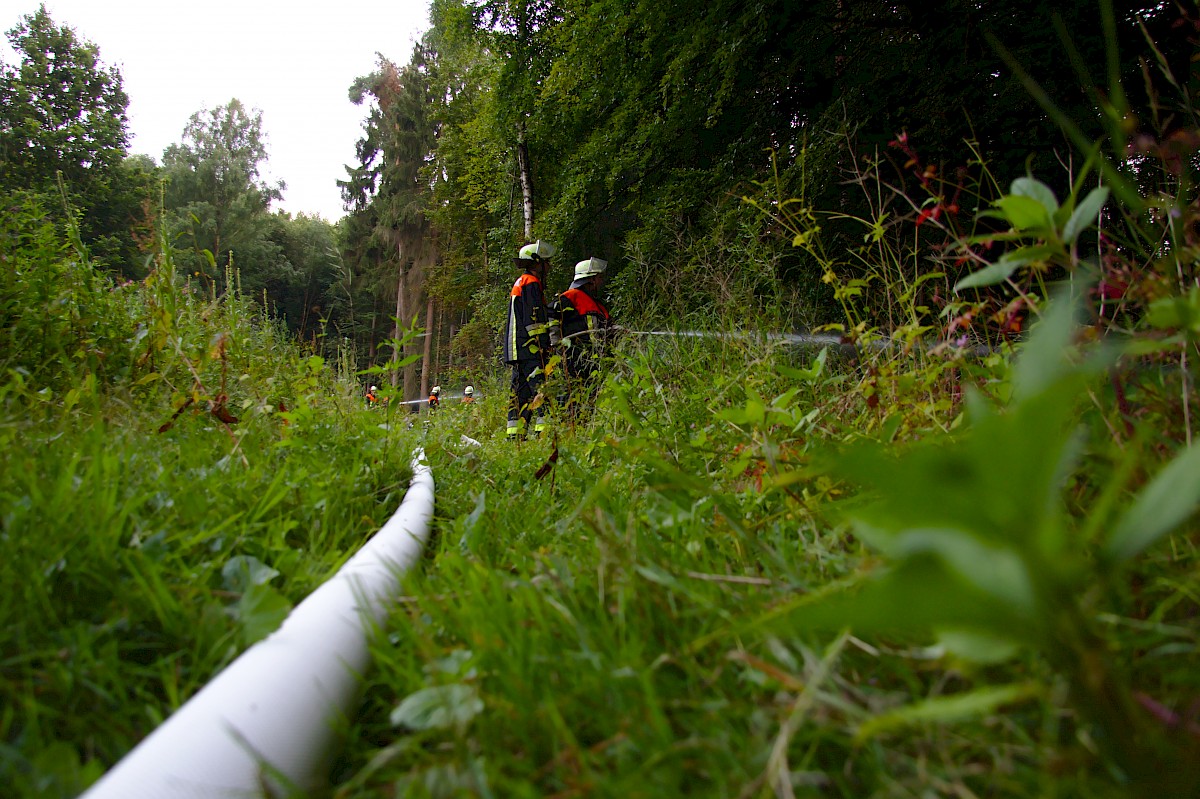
(527, 379)
(582, 386)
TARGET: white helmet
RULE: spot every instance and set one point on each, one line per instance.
(373, 389)
(540, 250)
(436, 390)
(589, 268)
(468, 391)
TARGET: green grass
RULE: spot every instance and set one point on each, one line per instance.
(758, 571)
(627, 625)
(144, 548)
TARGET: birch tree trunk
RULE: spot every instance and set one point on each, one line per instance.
(526, 177)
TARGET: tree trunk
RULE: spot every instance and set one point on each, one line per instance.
(437, 342)
(427, 364)
(526, 178)
(371, 349)
(401, 317)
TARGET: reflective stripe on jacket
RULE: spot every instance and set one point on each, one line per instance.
(526, 335)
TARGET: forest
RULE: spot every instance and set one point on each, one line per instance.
(910, 510)
(650, 136)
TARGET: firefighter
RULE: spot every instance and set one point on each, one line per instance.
(372, 397)
(468, 395)
(527, 339)
(580, 335)
(435, 398)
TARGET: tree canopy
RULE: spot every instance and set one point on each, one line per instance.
(63, 113)
(217, 198)
(642, 124)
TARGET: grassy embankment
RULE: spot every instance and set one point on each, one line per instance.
(769, 573)
(148, 538)
(757, 572)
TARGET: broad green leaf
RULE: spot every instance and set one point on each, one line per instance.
(1034, 189)
(785, 400)
(437, 708)
(756, 409)
(784, 479)
(990, 275)
(1169, 500)
(996, 571)
(807, 375)
(1024, 213)
(406, 361)
(1008, 263)
(918, 595)
(1153, 346)
(1044, 357)
(1176, 313)
(947, 709)
(260, 612)
(1085, 214)
(975, 646)
(887, 430)
(242, 572)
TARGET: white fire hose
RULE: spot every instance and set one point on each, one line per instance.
(270, 720)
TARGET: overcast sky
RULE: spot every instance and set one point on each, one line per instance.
(294, 61)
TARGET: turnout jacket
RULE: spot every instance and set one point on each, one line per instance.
(526, 335)
(583, 322)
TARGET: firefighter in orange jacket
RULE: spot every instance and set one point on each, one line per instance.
(527, 338)
(435, 398)
(580, 334)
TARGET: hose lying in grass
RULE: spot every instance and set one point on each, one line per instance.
(834, 342)
(270, 719)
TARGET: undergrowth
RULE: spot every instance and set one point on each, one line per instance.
(952, 554)
(177, 476)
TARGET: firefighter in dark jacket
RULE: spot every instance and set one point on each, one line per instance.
(580, 335)
(527, 339)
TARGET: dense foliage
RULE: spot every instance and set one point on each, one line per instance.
(178, 475)
(63, 131)
(63, 141)
(636, 132)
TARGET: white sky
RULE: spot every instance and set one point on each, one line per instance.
(292, 60)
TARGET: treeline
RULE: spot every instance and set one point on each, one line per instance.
(64, 143)
(663, 137)
(637, 131)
